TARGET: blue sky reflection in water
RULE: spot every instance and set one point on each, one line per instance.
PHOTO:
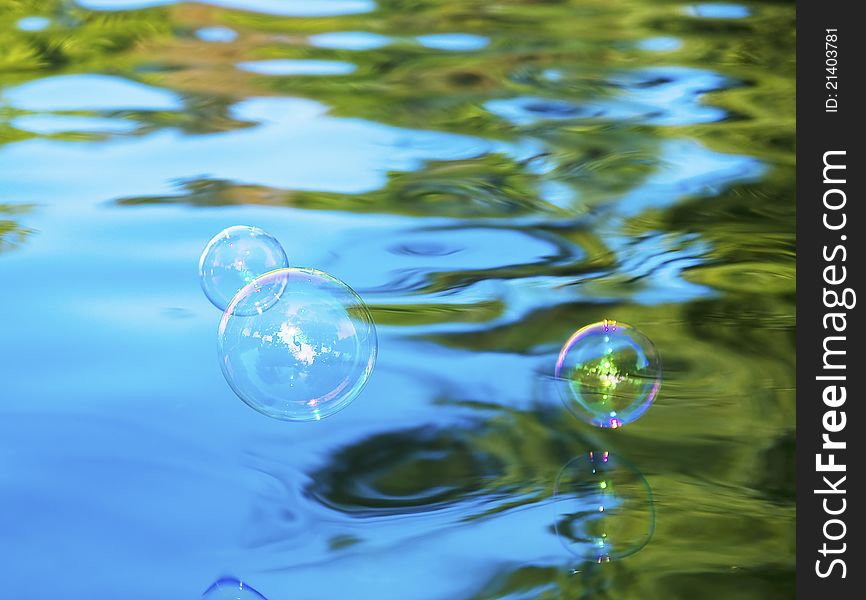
(488, 185)
(287, 8)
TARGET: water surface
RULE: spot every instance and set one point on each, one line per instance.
(490, 176)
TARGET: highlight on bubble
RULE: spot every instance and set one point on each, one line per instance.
(308, 355)
(604, 507)
(608, 374)
(229, 588)
(233, 258)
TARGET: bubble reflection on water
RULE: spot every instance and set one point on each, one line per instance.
(604, 507)
(229, 588)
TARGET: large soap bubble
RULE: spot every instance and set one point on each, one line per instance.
(608, 373)
(229, 588)
(604, 507)
(233, 258)
(307, 354)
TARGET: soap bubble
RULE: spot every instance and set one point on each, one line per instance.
(233, 258)
(604, 507)
(308, 355)
(229, 588)
(608, 374)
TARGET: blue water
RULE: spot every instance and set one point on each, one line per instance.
(484, 210)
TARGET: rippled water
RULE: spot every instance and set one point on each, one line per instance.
(490, 176)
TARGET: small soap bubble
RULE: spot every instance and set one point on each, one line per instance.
(229, 588)
(604, 507)
(305, 357)
(608, 374)
(234, 258)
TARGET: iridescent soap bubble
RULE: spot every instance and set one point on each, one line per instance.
(233, 258)
(608, 374)
(604, 507)
(308, 355)
(229, 588)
